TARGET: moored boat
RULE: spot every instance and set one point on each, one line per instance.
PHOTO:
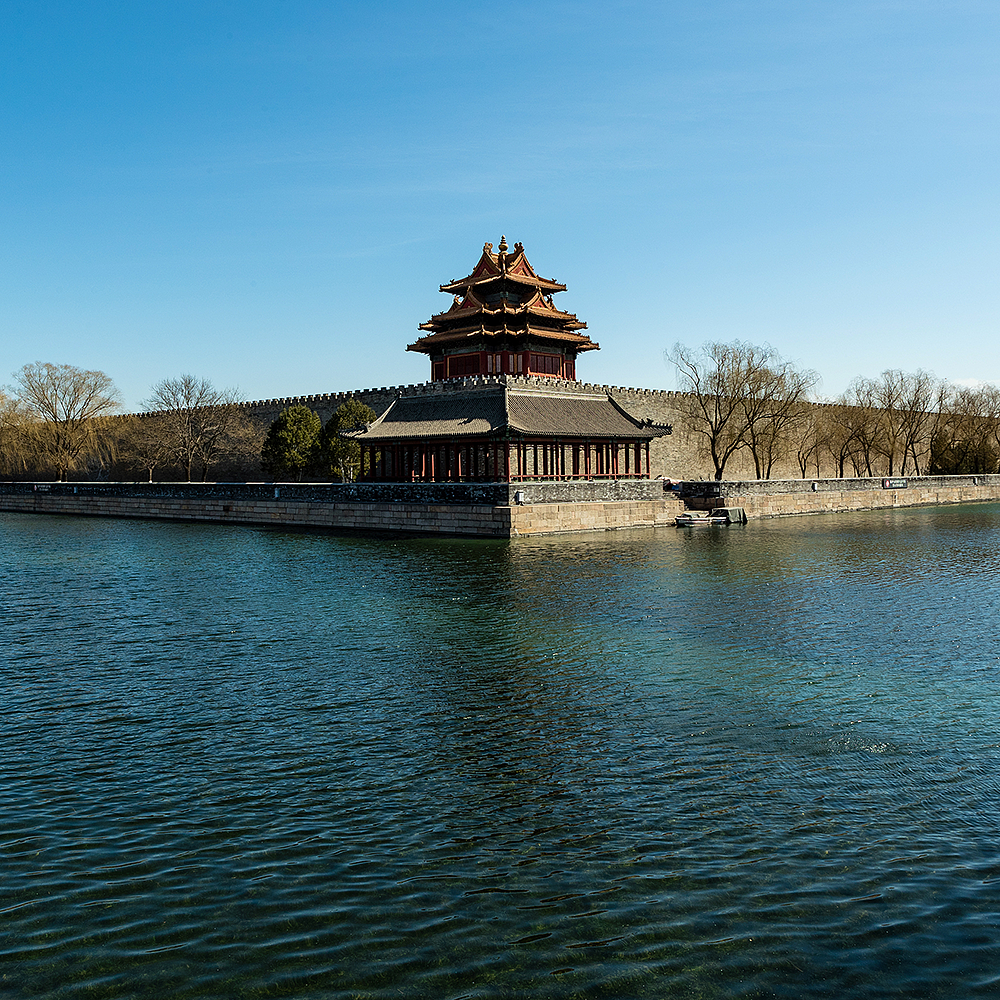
(721, 515)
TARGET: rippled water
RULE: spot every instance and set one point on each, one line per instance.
(750, 762)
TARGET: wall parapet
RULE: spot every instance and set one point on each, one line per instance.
(454, 385)
(440, 493)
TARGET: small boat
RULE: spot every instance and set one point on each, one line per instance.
(698, 520)
(721, 515)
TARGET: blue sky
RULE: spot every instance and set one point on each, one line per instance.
(268, 194)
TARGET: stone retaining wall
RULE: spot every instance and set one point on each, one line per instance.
(546, 518)
(479, 509)
(460, 493)
(219, 503)
(776, 498)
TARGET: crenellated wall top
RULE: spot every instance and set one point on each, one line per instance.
(458, 385)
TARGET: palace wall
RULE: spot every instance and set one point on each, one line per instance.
(673, 456)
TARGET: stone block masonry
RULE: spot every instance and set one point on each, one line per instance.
(778, 498)
(322, 506)
(480, 509)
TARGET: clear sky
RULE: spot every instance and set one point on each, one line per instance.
(268, 194)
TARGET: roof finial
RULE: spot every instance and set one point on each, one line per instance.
(502, 248)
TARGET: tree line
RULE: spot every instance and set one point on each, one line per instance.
(59, 420)
(299, 444)
(737, 399)
(745, 399)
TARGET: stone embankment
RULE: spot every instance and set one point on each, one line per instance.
(776, 498)
(496, 510)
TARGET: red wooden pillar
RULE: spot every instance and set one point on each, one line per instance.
(647, 460)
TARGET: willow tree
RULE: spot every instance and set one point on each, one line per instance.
(66, 404)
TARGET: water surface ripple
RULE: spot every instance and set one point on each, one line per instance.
(745, 762)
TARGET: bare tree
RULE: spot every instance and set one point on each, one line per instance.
(964, 436)
(811, 438)
(740, 396)
(196, 418)
(906, 401)
(891, 421)
(237, 449)
(711, 379)
(772, 407)
(143, 443)
(860, 409)
(14, 452)
(991, 412)
(67, 402)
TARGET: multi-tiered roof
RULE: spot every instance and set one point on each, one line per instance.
(503, 320)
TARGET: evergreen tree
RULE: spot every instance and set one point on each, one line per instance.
(339, 457)
(291, 441)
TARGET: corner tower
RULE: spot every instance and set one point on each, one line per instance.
(502, 321)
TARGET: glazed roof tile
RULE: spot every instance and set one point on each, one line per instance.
(503, 297)
(501, 411)
(455, 336)
(491, 266)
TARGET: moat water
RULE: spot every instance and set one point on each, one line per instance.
(760, 761)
